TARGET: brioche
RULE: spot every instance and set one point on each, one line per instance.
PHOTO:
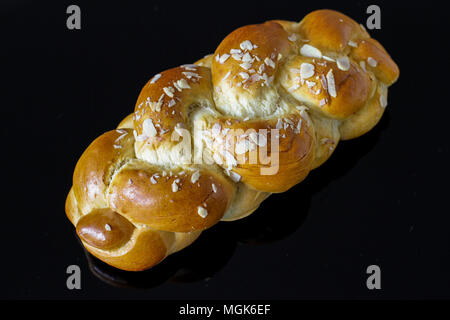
(280, 93)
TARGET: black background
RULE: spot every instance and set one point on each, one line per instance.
(381, 199)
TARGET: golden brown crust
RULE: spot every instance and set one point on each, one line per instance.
(352, 87)
(327, 136)
(104, 229)
(172, 203)
(268, 40)
(167, 100)
(366, 118)
(330, 30)
(278, 153)
(245, 202)
(97, 165)
(210, 141)
(72, 211)
(385, 70)
(206, 61)
(145, 250)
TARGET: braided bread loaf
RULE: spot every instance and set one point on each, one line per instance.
(279, 93)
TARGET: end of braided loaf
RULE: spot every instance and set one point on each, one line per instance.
(280, 93)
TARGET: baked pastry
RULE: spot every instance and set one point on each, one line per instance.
(280, 93)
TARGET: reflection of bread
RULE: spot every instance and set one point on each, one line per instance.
(139, 192)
